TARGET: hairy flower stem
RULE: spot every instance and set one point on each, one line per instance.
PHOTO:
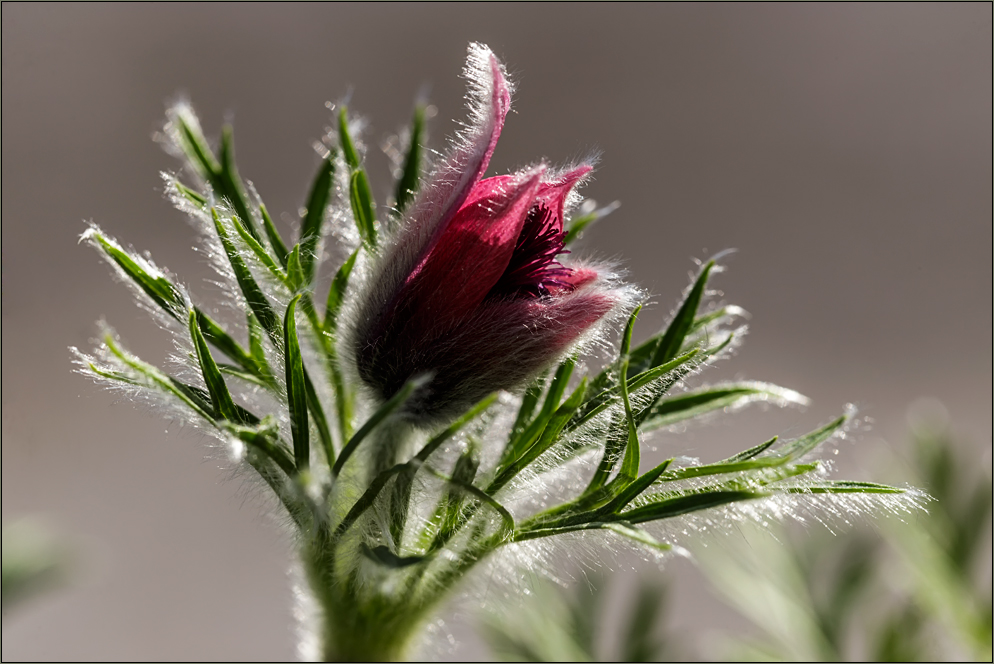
(368, 614)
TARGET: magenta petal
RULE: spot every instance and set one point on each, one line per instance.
(502, 346)
(554, 192)
(453, 178)
(469, 257)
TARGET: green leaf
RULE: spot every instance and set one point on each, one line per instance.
(436, 441)
(606, 398)
(361, 199)
(194, 197)
(275, 241)
(367, 499)
(152, 282)
(220, 397)
(528, 403)
(253, 362)
(410, 176)
(752, 451)
(482, 496)
(296, 391)
(263, 437)
(801, 446)
(402, 488)
(696, 403)
(518, 444)
(320, 421)
(259, 251)
(198, 153)
(576, 226)
(630, 464)
(463, 474)
(237, 372)
(230, 184)
(254, 296)
(345, 139)
(296, 278)
(336, 294)
(255, 332)
(310, 231)
(841, 486)
(634, 489)
(550, 434)
(382, 413)
(640, 536)
(384, 556)
(154, 378)
(672, 340)
(694, 502)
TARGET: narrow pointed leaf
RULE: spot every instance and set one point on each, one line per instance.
(630, 464)
(686, 504)
(635, 488)
(220, 397)
(361, 199)
(696, 403)
(275, 241)
(672, 340)
(528, 402)
(255, 332)
(263, 437)
(296, 390)
(557, 387)
(336, 294)
(550, 434)
(258, 251)
(438, 439)
(296, 278)
(152, 282)
(194, 197)
(345, 139)
(231, 184)
(198, 153)
(248, 361)
(254, 296)
(638, 535)
(576, 226)
(384, 411)
(310, 230)
(237, 372)
(410, 176)
(155, 378)
(596, 405)
(745, 455)
(320, 421)
(367, 499)
(482, 496)
(798, 448)
(843, 486)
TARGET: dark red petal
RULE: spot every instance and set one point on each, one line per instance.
(469, 257)
(556, 191)
(502, 346)
(452, 180)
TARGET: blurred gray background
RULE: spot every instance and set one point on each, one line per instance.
(844, 150)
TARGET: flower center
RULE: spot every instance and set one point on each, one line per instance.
(533, 270)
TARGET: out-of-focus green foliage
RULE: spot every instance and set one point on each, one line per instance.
(918, 591)
(556, 625)
(34, 560)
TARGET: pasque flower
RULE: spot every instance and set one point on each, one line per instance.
(470, 291)
(466, 289)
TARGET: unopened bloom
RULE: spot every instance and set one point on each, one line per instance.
(469, 290)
